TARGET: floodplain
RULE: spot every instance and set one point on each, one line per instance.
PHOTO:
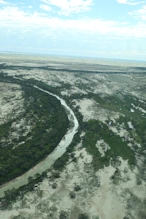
(102, 174)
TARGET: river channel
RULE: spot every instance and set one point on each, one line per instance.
(51, 158)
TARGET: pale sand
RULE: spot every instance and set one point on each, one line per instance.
(102, 147)
(11, 101)
(100, 195)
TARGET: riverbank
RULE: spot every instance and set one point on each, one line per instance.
(49, 161)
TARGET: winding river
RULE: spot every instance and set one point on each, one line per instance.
(51, 158)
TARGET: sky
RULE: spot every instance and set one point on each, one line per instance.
(114, 29)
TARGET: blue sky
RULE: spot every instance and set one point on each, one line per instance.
(90, 28)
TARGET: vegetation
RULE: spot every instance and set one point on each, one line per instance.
(96, 130)
(61, 162)
(83, 216)
(13, 194)
(123, 104)
(45, 130)
(50, 124)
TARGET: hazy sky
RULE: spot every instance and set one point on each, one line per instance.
(91, 28)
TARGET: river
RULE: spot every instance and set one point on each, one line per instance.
(51, 158)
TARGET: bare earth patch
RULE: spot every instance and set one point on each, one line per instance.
(113, 192)
(11, 101)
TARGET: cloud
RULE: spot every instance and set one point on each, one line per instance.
(15, 20)
(3, 2)
(67, 7)
(45, 7)
(139, 14)
(129, 2)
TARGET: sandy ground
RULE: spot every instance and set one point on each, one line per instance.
(99, 194)
(102, 147)
(91, 110)
(11, 101)
(13, 108)
(113, 192)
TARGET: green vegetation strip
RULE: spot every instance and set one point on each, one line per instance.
(50, 125)
(95, 131)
